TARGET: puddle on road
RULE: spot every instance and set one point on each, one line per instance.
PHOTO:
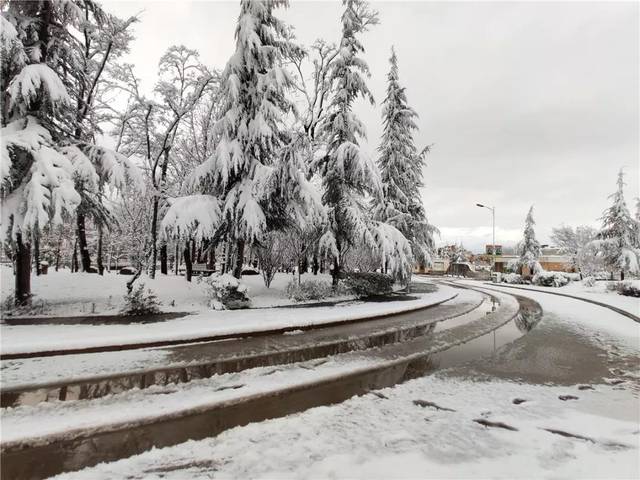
(487, 345)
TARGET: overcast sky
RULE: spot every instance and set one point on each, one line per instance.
(526, 103)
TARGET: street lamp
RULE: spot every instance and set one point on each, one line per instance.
(493, 246)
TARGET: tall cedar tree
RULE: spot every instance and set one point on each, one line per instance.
(37, 180)
(41, 154)
(401, 166)
(255, 180)
(530, 247)
(349, 177)
(616, 238)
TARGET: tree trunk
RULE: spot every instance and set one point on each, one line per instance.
(237, 271)
(154, 237)
(193, 250)
(23, 272)
(36, 254)
(58, 249)
(335, 273)
(74, 257)
(176, 259)
(99, 255)
(85, 258)
(163, 259)
(316, 265)
(622, 275)
(187, 261)
(211, 261)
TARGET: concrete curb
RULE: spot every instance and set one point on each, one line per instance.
(212, 338)
(98, 386)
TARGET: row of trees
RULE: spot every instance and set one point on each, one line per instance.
(211, 161)
(614, 247)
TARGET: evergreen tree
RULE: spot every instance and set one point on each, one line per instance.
(256, 172)
(349, 178)
(42, 153)
(616, 237)
(37, 180)
(401, 166)
(530, 248)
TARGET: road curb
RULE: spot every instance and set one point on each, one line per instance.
(213, 338)
(88, 388)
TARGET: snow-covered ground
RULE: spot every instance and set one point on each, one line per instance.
(432, 427)
(37, 338)
(372, 437)
(598, 293)
(64, 293)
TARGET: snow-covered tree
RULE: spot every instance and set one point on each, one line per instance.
(37, 180)
(577, 244)
(529, 248)
(401, 165)
(349, 177)
(615, 240)
(105, 38)
(49, 78)
(257, 172)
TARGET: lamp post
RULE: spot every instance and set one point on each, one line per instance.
(493, 245)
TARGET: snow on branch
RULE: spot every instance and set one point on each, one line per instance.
(34, 81)
(193, 216)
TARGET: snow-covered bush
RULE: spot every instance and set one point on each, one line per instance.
(630, 288)
(139, 302)
(364, 284)
(513, 278)
(227, 292)
(308, 290)
(627, 288)
(550, 279)
(573, 277)
(589, 281)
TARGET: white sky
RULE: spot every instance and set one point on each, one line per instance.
(526, 103)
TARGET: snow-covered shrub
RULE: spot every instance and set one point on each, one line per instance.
(139, 302)
(364, 284)
(573, 277)
(589, 281)
(513, 278)
(308, 290)
(550, 279)
(227, 292)
(627, 288)
(630, 288)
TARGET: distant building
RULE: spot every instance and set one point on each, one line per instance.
(439, 266)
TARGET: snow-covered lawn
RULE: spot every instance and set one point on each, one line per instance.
(35, 338)
(83, 294)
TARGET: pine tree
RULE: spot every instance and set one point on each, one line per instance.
(401, 166)
(37, 183)
(349, 178)
(42, 154)
(347, 174)
(256, 172)
(530, 248)
(616, 237)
